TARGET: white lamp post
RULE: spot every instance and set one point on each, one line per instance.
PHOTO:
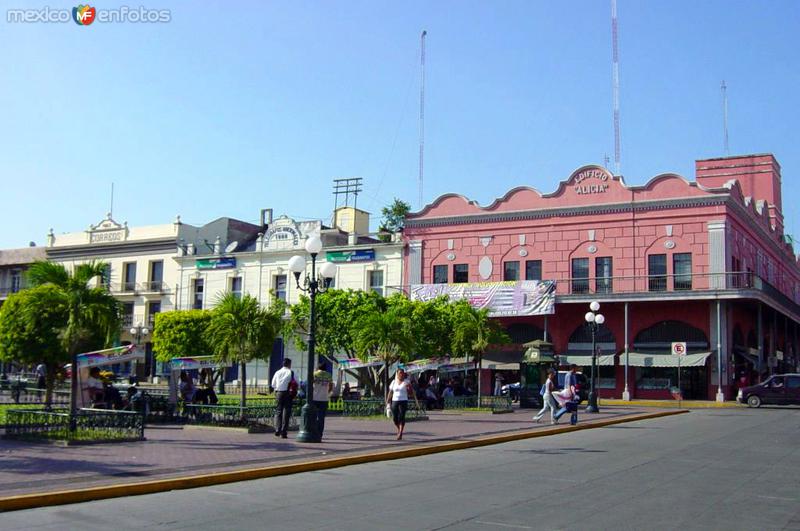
(138, 332)
(593, 319)
(312, 284)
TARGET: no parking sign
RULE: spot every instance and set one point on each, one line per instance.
(679, 348)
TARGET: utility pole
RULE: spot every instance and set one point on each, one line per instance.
(422, 116)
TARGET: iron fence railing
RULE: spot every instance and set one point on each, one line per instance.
(87, 425)
(495, 403)
(133, 288)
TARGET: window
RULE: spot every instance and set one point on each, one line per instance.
(127, 314)
(236, 287)
(736, 278)
(130, 277)
(533, 270)
(793, 382)
(106, 276)
(156, 275)
(197, 303)
(580, 275)
(376, 281)
(16, 280)
(152, 309)
(682, 269)
(510, 270)
(280, 287)
(460, 273)
(657, 272)
(603, 271)
(440, 274)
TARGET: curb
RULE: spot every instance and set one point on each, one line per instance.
(31, 501)
(683, 404)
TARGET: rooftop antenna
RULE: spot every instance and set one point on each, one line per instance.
(606, 160)
(724, 88)
(615, 70)
(347, 188)
(111, 208)
(422, 114)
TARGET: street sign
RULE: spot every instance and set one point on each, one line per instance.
(679, 348)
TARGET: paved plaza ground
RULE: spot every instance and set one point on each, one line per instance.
(704, 470)
(175, 451)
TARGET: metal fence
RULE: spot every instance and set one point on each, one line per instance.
(14, 393)
(87, 425)
(495, 403)
(256, 417)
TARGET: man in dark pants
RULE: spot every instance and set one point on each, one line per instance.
(323, 384)
(280, 384)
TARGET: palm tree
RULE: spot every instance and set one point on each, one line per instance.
(241, 330)
(473, 331)
(93, 315)
(385, 335)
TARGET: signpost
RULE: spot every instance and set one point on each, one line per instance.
(679, 349)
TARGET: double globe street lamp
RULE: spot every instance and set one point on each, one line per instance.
(594, 320)
(138, 332)
(312, 284)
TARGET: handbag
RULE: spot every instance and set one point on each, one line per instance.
(293, 387)
(389, 411)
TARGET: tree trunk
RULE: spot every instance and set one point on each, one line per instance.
(243, 402)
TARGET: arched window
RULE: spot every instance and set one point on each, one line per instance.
(738, 336)
(524, 332)
(659, 338)
(580, 342)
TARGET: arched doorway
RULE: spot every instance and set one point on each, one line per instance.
(524, 332)
(658, 374)
(579, 347)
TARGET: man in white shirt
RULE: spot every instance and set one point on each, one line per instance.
(280, 384)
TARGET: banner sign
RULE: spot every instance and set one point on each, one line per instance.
(215, 263)
(196, 362)
(426, 364)
(457, 367)
(109, 356)
(503, 299)
(363, 255)
(354, 363)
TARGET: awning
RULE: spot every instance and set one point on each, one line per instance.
(586, 361)
(501, 360)
(749, 354)
(636, 359)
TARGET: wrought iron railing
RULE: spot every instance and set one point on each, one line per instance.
(13, 392)
(132, 288)
(87, 425)
(495, 403)
(256, 417)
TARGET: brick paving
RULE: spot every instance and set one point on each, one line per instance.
(174, 451)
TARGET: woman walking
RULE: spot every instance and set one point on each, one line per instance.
(549, 402)
(399, 390)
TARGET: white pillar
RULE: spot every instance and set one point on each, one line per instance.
(720, 394)
(626, 395)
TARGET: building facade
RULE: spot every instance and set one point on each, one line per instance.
(702, 262)
(13, 264)
(259, 267)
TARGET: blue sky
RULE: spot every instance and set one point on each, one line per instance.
(232, 107)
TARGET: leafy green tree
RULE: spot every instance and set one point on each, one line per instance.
(473, 332)
(386, 336)
(181, 333)
(30, 328)
(394, 217)
(93, 316)
(337, 310)
(431, 323)
(240, 331)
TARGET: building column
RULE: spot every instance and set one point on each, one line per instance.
(720, 393)
(760, 337)
(626, 395)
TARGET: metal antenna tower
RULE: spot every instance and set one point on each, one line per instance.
(615, 69)
(422, 115)
(724, 88)
(348, 188)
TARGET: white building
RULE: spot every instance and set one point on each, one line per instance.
(259, 266)
(142, 271)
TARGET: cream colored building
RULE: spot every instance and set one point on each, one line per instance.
(142, 272)
(259, 267)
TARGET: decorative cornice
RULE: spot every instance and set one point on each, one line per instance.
(121, 249)
(542, 213)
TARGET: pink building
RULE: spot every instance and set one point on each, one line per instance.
(704, 263)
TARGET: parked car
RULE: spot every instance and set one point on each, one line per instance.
(780, 389)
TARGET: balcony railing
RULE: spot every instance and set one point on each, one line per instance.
(133, 288)
(664, 283)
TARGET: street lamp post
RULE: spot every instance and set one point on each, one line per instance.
(594, 320)
(138, 332)
(312, 284)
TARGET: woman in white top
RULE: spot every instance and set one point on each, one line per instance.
(399, 390)
(549, 402)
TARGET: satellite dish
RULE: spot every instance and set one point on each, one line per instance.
(232, 246)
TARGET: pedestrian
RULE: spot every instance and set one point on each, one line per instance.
(498, 384)
(41, 373)
(548, 401)
(323, 385)
(568, 397)
(283, 412)
(399, 390)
